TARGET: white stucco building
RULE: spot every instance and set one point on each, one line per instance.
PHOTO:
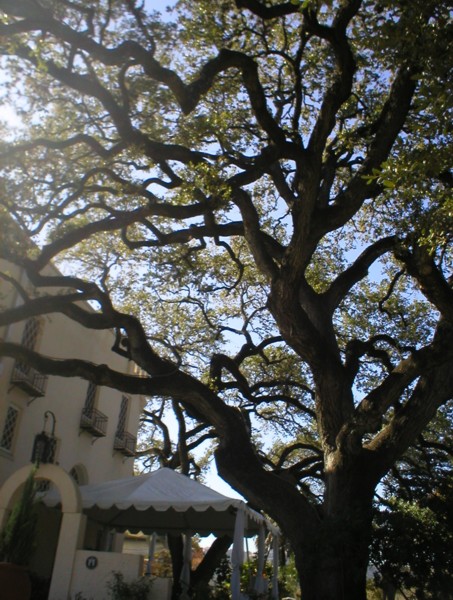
(92, 430)
(86, 435)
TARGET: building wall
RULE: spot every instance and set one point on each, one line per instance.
(93, 571)
(94, 458)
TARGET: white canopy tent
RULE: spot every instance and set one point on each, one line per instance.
(165, 501)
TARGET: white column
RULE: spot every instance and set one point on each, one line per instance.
(72, 531)
(237, 555)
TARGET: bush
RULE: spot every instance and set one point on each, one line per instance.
(135, 590)
(17, 539)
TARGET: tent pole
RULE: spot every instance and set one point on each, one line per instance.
(237, 555)
(186, 568)
(259, 580)
(151, 552)
(275, 548)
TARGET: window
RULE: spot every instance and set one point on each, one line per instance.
(25, 376)
(123, 416)
(9, 429)
(92, 420)
(90, 397)
(29, 340)
(75, 475)
(124, 441)
(79, 474)
(31, 333)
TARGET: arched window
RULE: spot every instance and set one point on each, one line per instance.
(79, 474)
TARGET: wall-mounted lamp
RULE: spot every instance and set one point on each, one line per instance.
(45, 443)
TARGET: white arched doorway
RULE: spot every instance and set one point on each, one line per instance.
(72, 527)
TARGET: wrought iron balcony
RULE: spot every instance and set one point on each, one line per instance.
(125, 443)
(94, 421)
(30, 380)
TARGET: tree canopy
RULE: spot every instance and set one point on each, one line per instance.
(256, 196)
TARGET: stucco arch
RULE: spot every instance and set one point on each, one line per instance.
(72, 526)
(71, 501)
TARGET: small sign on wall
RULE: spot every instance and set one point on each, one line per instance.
(93, 569)
(91, 562)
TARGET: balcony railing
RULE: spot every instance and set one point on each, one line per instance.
(30, 380)
(125, 443)
(94, 421)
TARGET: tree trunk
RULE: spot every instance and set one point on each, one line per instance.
(333, 565)
(330, 541)
(335, 572)
(175, 545)
(206, 569)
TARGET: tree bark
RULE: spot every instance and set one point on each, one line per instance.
(206, 569)
(333, 564)
(175, 545)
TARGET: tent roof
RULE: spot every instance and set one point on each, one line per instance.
(162, 501)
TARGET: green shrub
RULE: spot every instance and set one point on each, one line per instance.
(17, 538)
(135, 590)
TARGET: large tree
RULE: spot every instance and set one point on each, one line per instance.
(255, 196)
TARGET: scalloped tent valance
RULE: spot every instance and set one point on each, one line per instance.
(163, 501)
